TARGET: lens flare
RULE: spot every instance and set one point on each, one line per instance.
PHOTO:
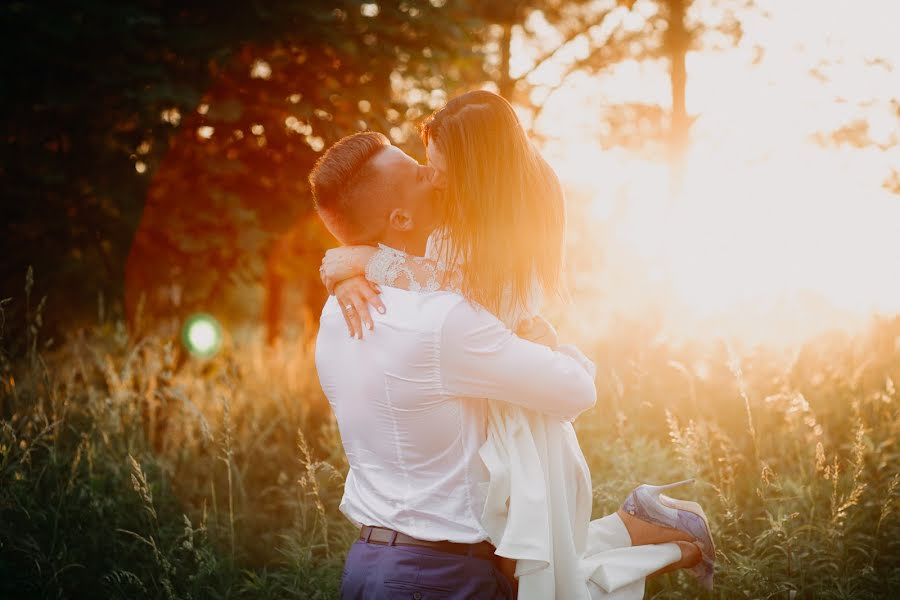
(202, 335)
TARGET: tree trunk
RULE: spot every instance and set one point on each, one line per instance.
(677, 42)
(506, 85)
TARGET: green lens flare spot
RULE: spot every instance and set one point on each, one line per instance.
(202, 335)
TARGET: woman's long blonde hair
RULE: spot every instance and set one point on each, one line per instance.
(505, 211)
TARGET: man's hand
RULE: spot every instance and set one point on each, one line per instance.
(343, 263)
(355, 295)
(539, 331)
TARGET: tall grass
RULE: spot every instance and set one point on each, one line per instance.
(129, 470)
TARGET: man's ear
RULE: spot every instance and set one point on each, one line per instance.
(400, 219)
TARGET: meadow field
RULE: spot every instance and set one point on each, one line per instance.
(732, 180)
(129, 470)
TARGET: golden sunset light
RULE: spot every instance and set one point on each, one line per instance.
(457, 299)
(773, 214)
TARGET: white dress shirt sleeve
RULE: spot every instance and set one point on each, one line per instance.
(482, 358)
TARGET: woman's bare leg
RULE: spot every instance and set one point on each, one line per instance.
(643, 532)
(690, 556)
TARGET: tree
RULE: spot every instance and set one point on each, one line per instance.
(261, 124)
(669, 30)
(684, 32)
(195, 127)
(572, 19)
(875, 125)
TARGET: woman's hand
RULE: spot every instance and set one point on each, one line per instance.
(355, 295)
(343, 263)
(539, 331)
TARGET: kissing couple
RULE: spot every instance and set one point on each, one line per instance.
(453, 396)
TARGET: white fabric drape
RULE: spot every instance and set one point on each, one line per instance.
(539, 499)
(538, 508)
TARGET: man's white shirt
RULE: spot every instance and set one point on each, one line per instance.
(409, 401)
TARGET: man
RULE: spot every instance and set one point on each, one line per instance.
(409, 402)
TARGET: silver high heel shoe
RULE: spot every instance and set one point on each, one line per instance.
(647, 503)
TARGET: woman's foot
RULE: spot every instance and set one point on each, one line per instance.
(644, 532)
(647, 503)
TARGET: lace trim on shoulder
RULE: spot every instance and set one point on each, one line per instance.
(388, 265)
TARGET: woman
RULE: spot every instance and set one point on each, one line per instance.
(501, 245)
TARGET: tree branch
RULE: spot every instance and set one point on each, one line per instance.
(596, 21)
(595, 61)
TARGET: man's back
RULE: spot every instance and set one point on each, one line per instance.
(410, 404)
(412, 448)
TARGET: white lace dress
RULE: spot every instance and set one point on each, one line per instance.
(539, 496)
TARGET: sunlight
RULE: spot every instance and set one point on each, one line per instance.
(185, 410)
(768, 217)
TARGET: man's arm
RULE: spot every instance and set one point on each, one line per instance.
(481, 358)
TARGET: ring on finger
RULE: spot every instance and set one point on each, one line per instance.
(349, 308)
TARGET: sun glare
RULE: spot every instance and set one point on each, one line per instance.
(202, 335)
(770, 219)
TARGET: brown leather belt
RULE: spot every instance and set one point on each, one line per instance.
(389, 537)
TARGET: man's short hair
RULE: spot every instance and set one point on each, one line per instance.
(342, 186)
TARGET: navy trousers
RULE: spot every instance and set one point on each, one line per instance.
(381, 572)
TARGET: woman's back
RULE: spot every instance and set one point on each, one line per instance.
(511, 313)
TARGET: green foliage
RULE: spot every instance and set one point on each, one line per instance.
(130, 473)
(103, 107)
(127, 473)
(157, 152)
